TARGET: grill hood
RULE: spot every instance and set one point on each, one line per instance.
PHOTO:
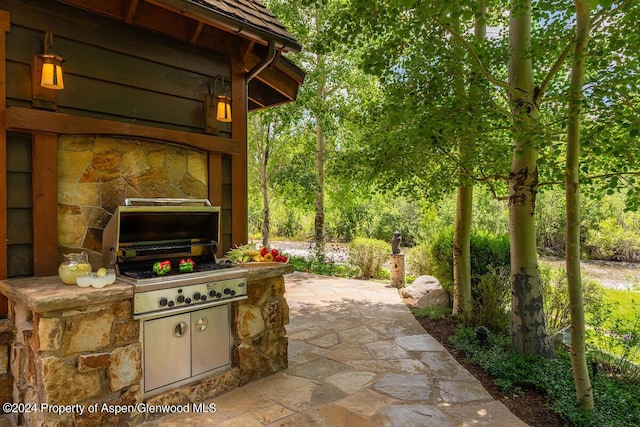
(148, 232)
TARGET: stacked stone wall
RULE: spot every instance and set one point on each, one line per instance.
(78, 357)
(260, 335)
(96, 174)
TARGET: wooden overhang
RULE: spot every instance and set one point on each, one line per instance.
(208, 24)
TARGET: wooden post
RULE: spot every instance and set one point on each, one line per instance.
(397, 270)
(5, 25)
(239, 198)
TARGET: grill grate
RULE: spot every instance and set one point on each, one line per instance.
(145, 271)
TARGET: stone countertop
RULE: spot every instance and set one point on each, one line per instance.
(42, 294)
(259, 272)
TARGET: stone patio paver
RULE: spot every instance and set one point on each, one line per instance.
(357, 357)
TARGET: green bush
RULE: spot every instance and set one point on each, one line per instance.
(441, 259)
(488, 252)
(491, 300)
(368, 255)
(612, 240)
(555, 295)
(418, 260)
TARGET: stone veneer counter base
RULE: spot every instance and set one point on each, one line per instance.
(82, 346)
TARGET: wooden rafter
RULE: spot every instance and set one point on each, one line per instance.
(196, 33)
(131, 12)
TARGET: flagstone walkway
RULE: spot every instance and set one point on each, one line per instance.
(357, 358)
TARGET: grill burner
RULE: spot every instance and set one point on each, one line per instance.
(145, 271)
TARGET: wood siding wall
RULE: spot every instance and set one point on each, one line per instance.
(140, 82)
(111, 70)
(19, 206)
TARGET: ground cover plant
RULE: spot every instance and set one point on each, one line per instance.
(616, 398)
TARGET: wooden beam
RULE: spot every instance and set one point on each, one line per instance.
(239, 195)
(196, 33)
(274, 78)
(257, 102)
(244, 47)
(131, 12)
(24, 119)
(45, 203)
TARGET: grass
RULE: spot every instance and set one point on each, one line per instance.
(625, 304)
(617, 334)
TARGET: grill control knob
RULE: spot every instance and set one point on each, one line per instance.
(212, 293)
(162, 302)
(187, 301)
(196, 296)
(218, 295)
(203, 298)
(180, 299)
(232, 293)
(226, 291)
(171, 304)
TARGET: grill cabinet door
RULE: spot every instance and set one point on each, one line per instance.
(167, 347)
(211, 339)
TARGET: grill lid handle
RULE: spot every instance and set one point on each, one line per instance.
(165, 201)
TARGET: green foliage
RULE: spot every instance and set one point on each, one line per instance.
(616, 398)
(617, 333)
(418, 259)
(616, 241)
(488, 252)
(551, 223)
(491, 300)
(351, 214)
(441, 259)
(368, 256)
(555, 294)
(430, 312)
(322, 267)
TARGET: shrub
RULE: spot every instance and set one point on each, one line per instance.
(488, 252)
(368, 255)
(418, 260)
(555, 295)
(441, 259)
(491, 299)
(613, 241)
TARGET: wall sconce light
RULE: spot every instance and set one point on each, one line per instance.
(217, 108)
(51, 65)
(223, 110)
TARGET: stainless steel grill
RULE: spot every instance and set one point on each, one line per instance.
(185, 318)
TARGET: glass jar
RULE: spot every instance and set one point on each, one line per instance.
(73, 264)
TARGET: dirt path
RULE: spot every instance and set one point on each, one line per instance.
(614, 275)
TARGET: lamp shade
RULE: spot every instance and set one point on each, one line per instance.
(223, 109)
(51, 72)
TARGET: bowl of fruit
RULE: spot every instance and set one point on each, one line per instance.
(249, 255)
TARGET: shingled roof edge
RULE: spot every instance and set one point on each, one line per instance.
(208, 12)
